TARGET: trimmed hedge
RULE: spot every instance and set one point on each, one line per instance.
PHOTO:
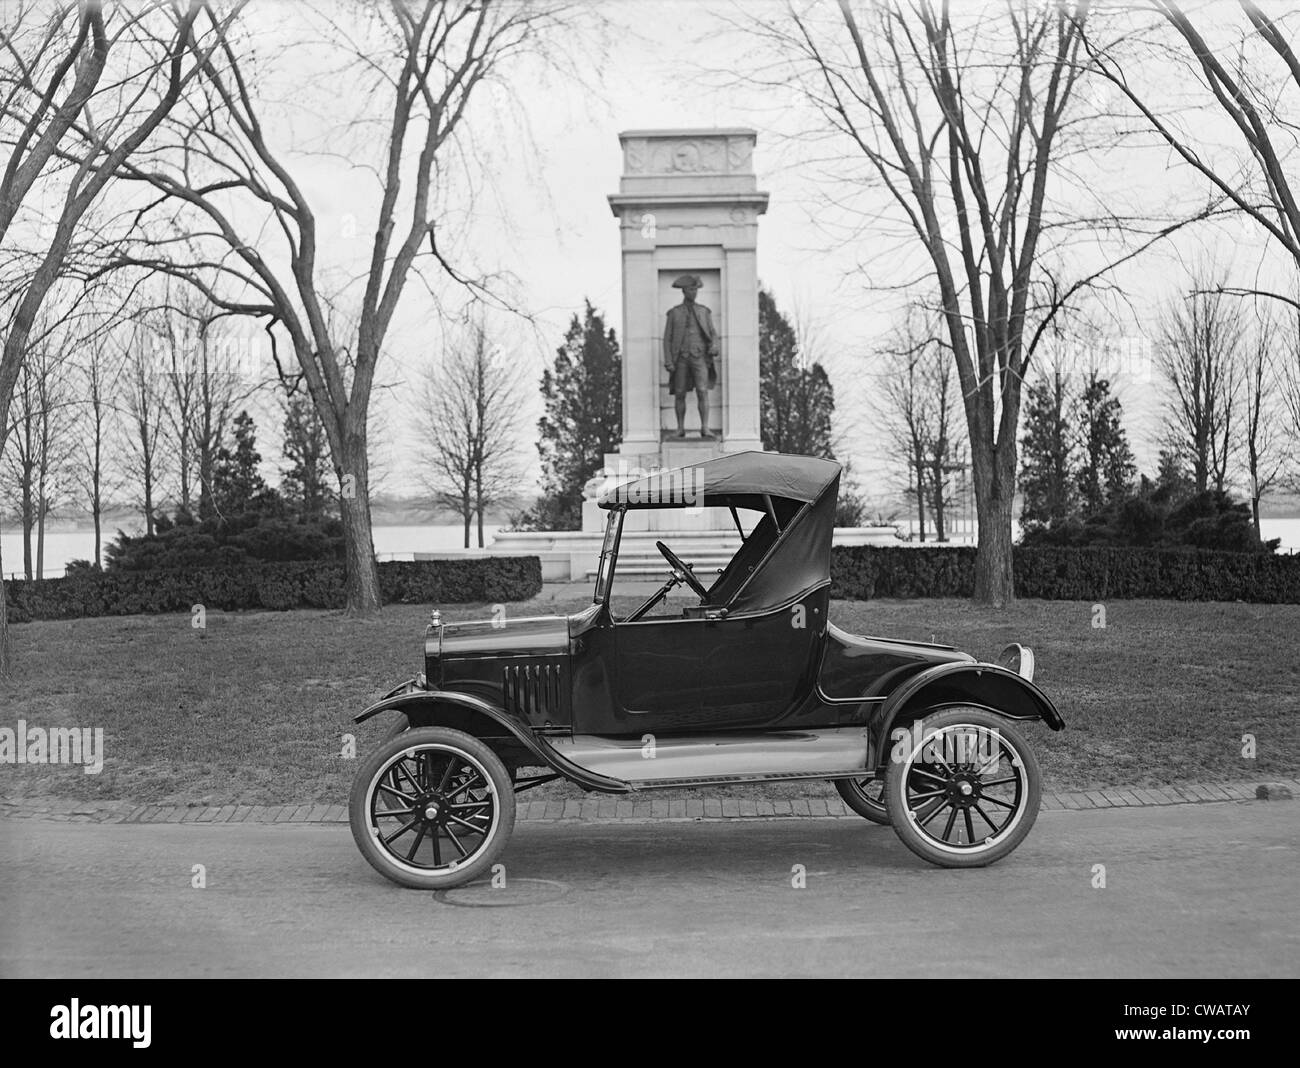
(858, 572)
(275, 586)
(861, 572)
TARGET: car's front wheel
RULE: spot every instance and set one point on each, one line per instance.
(432, 808)
(966, 790)
(866, 797)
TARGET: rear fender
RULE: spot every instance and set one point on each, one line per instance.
(473, 715)
(989, 686)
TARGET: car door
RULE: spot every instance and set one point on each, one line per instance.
(713, 672)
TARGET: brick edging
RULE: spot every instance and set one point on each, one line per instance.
(604, 808)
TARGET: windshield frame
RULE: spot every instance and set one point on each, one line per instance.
(608, 555)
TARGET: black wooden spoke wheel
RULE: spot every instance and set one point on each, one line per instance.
(866, 797)
(967, 790)
(432, 808)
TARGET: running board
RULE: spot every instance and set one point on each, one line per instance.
(693, 760)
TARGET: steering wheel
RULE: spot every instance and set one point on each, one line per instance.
(682, 570)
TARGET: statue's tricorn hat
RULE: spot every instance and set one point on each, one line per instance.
(684, 280)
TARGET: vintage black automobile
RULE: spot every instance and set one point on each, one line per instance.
(753, 683)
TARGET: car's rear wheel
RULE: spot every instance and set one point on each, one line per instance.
(866, 797)
(967, 789)
(432, 808)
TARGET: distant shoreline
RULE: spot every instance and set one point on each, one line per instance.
(413, 516)
(133, 522)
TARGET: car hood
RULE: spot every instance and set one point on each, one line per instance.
(506, 636)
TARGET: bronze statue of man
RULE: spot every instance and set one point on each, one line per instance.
(690, 346)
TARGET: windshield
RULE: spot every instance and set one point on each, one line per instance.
(605, 572)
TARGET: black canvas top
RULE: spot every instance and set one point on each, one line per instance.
(727, 480)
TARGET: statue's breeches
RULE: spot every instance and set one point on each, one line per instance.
(691, 371)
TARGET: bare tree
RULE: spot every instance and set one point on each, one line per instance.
(424, 61)
(1200, 358)
(899, 406)
(961, 121)
(1262, 432)
(59, 88)
(1288, 386)
(467, 423)
(1253, 77)
(205, 381)
(37, 459)
(143, 401)
(174, 330)
(57, 103)
(53, 372)
(6, 654)
(942, 399)
(99, 368)
(21, 457)
(225, 380)
(916, 406)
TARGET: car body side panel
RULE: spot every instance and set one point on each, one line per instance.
(860, 668)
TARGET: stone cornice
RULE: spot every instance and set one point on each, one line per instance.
(691, 132)
(620, 201)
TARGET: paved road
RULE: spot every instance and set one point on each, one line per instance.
(1191, 890)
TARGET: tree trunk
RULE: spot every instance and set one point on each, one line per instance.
(362, 575)
(97, 489)
(185, 471)
(29, 521)
(40, 536)
(478, 505)
(1254, 490)
(937, 475)
(994, 494)
(920, 494)
(206, 510)
(6, 662)
(148, 500)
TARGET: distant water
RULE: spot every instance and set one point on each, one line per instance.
(390, 542)
(402, 541)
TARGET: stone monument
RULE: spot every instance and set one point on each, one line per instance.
(688, 205)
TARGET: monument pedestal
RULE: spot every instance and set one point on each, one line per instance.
(688, 203)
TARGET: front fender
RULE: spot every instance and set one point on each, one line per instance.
(411, 696)
(414, 685)
(989, 685)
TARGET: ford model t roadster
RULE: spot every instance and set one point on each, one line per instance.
(750, 683)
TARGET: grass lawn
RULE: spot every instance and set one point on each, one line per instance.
(254, 709)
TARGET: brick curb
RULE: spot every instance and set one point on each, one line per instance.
(607, 808)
